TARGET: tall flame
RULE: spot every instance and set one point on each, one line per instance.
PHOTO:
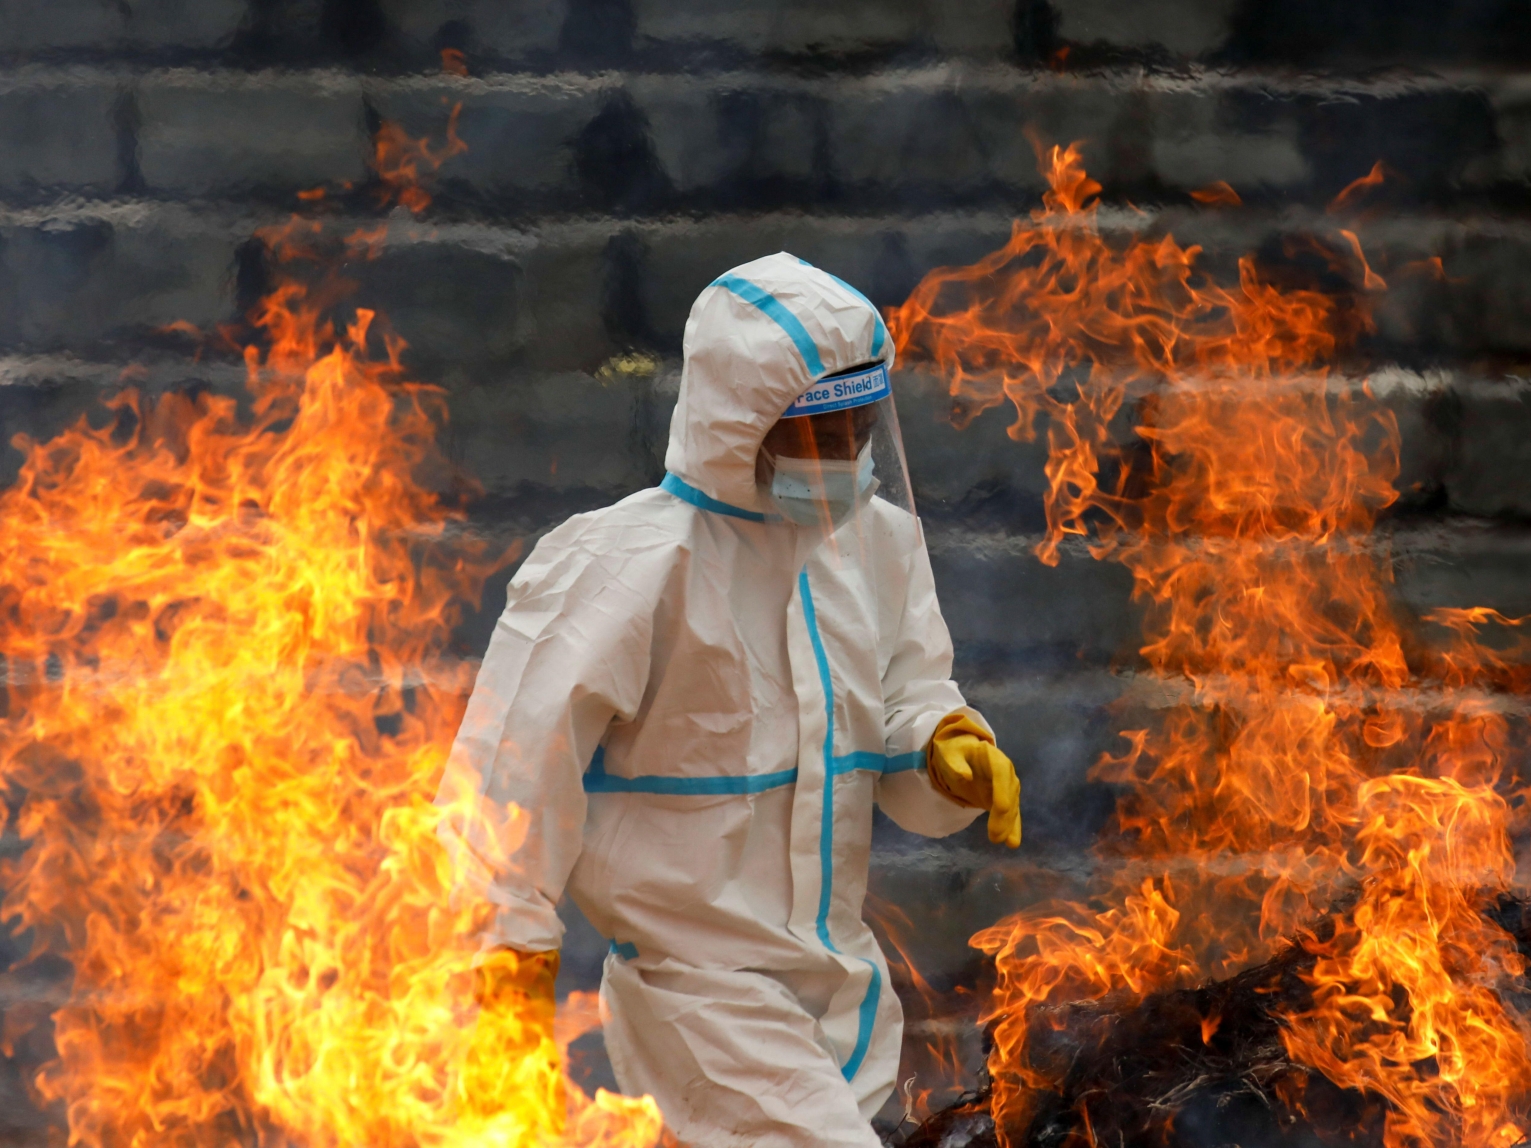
(227, 702)
(1305, 773)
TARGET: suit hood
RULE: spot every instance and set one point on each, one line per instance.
(758, 337)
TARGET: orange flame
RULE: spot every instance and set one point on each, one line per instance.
(228, 697)
(1302, 771)
(1217, 194)
(939, 1066)
(1370, 279)
(1358, 189)
(400, 161)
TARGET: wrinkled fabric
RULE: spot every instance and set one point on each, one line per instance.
(695, 705)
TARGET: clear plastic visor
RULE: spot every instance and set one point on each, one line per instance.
(825, 469)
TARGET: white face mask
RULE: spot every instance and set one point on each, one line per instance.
(810, 490)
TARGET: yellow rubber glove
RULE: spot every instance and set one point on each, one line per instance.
(513, 1056)
(966, 766)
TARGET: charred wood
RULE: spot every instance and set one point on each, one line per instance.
(1198, 1067)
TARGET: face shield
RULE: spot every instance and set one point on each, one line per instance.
(835, 449)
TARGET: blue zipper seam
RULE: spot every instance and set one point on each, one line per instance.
(866, 1014)
(827, 818)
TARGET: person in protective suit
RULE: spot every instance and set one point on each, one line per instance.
(695, 697)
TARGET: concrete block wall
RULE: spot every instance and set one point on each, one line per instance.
(621, 153)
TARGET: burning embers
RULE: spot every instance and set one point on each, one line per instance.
(227, 703)
(1326, 813)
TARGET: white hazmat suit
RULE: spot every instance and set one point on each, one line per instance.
(697, 704)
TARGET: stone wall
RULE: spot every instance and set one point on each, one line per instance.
(621, 153)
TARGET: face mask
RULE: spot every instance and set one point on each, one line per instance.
(809, 490)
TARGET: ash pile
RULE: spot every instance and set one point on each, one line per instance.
(1191, 1068)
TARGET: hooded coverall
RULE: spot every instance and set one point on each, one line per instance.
(696, 706)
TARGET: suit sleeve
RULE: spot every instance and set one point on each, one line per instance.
(918, 692)
(569, 654)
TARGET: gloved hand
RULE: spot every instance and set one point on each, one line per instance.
(513, 1052)
(966, 766)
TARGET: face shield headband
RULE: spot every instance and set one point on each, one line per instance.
(842, 392)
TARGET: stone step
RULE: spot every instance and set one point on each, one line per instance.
(476, 300)
(1007, 612)
(545, 443)
(907, 138)
(1464, 445)
(1359, 35)
(407, 34)
(513, 421)
(543, 34)
(89, 29)
(110, 275)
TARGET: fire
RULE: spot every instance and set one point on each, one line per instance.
(1318, 772)
(401, 160)
(939, 1064)
(228, 698)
